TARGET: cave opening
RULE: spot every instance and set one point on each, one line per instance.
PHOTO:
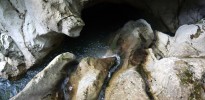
(101, 22)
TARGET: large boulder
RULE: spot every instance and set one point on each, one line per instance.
(134, 35)
(189, 41)
(45, 82)
(175, 78)
(126, 85)
(129, 43)
(86, 82)
(28, 28)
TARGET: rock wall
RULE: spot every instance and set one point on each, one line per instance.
(149, 68)
(28, 28)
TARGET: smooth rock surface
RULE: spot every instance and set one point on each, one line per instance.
(86, 82)
(28, 28)
(134, 35)
(127, 85)
(45, 82)
(189, 41)
(175, 78)
(129, 43)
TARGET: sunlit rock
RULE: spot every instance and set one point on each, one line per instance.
(175, 78)
(189, 41)
(86, 82)
(45, 82)
(28, 29)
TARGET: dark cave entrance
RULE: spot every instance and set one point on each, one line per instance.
(101, 22)
(108, 16)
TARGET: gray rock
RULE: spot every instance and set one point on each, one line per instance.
(134, 35)
(129, 43)
(45, 82)
(28, 29)
(175, 78)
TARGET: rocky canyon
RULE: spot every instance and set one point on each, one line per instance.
(102, 50)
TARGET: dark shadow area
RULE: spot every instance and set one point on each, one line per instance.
(101, 22)
(108, 16)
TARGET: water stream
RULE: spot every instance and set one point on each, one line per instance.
(111, 71)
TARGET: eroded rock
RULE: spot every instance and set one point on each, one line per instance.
(28, 29)
(33, 25)
(45, 82)
(129, 43)
(86, 82)
(189, 41)
(175, 78)
(134, 35)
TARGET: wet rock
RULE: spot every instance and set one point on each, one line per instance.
(86, 82)
(7, 71)
(45, 82)
(130, 42)
(134, 35)
(6, 89)
(175, 78)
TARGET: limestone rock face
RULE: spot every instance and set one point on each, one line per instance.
(45, 82)
(28, 28)
(87, 80)
(189, 41)
(175, 78)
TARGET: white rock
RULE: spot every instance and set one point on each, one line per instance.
(175, 78)
(127, 85)
(162, 44)
(45, 81)
(188, 41)
(2, 65)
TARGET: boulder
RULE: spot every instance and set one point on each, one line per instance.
(175, 78)
(134, 35)
(129, 43)
(126, 85)
(189, 41)
(28, 28)
(86, 82)
(45, 82)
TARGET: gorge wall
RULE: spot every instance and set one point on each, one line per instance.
(30, 30)
(29, 27)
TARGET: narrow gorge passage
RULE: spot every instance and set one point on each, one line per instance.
(101, 23)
